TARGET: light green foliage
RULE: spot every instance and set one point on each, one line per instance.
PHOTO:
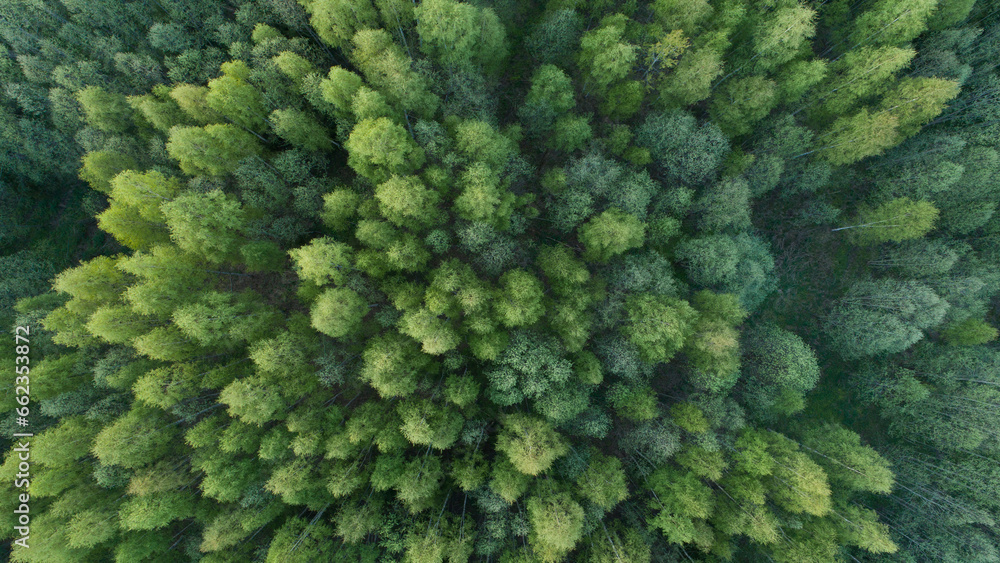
(678, 14)
(691, 80)
(140, 437)
(393, 365)
(897, 220)
(428, 424)
(145, 192)
(682, 502)
(863, 134)
(797, 483)
(339, 207)
(419, 482)
(340, 87)
(405, 202)
(530, 443)
(659, 326)
(610, 233)
(300, 129)
(155, 511)
(335, 21)
(232, 96)
(159, 110)
(338, 311)
(461, 35)
(214, 149)
(298, 541)
(207, 225)
(252, 401)
(165, 387)
(798, 77)
(779, 37)
(552, 90)
(603, 482)
(556, 525)
(193, 101)
(507, 482)
(915, 101)
(100, 167)
(713, 348)
(379, 148)
(322, 261)
(293, 65)
(482, 198)
(64, 443)
(889, 22)
(107, 111)
(970, 332)
(479, 141)
(604, 57)
(861, 73)
(435, 335)
(388, 69)
(847, 461)
(519, 299)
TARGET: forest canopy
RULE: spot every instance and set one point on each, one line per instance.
(501, 281)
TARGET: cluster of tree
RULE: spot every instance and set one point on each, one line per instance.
(516, 282)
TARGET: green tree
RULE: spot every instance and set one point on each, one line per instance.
(338, 311)
(556, 525)
(610, 233)
(406, 202)
(301, 129)
(388, 69)
(604, 57)
(658, 326)
(142, 436)
(779, 37)
(213, 150)
(883, 316)
(394, 365)
(379, 148)
(233, 97)
(461, 35)
(897, 220)
(779, 368)
(208, 225)
(530, 443)
(107, 111)
(739, 104)
(323, 261)
(603, 482)
(970, 332)
(891, 22)
(847, 461)
(519, 299)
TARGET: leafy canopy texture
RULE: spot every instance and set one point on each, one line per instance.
(506, 282)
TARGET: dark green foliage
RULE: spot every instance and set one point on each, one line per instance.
(778, 369)
(882, 317)
(683, 150)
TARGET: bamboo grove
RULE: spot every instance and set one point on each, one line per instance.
(503, 281)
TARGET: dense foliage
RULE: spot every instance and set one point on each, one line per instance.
(505, 281)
